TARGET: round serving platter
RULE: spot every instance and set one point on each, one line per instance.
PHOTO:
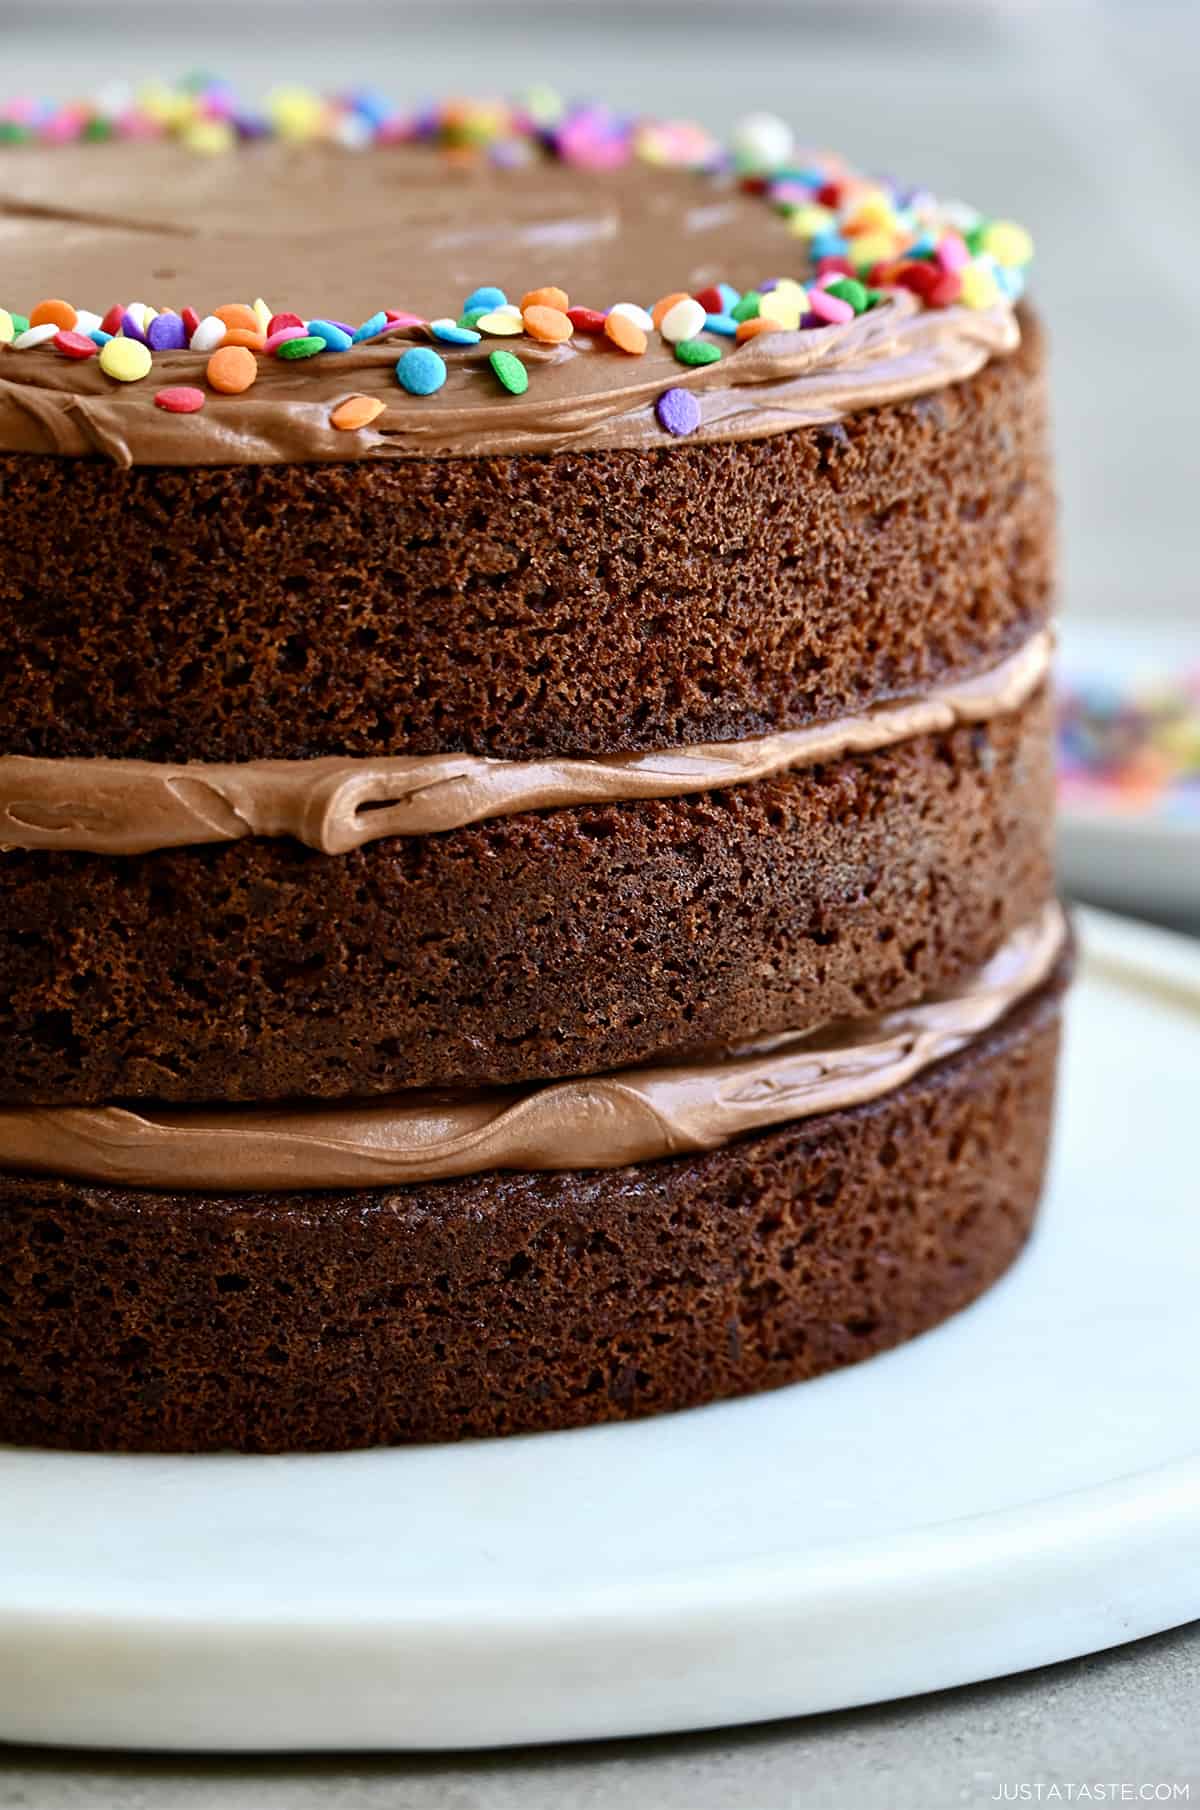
(1020, 1486)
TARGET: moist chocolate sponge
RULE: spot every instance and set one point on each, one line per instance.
(581, 602)
(510, 1303)
(551, 943)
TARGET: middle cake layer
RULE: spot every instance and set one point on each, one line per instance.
(529, 947)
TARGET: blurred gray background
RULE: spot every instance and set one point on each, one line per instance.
(1078, 117)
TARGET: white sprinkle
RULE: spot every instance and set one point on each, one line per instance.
(208, 334)
(633, 313)
(683, 321)
(34, 336)
(86, 321)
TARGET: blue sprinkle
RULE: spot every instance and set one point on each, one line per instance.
(729, 296)
(369, 329)
(99, 337)
(454, 335)
(421, 371)
(721, 323)
(828, 245)
(487, 297)
(336, 338)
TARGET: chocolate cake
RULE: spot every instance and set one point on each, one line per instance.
(527, 888)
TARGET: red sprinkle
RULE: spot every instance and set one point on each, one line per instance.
(112, 320)
(397, 318)
(830, 194)
(918, 276)
(586, 320)
(181, 400)
(278, 322)
(710, 300)
(190, 319)
(841, 267)
(75, 345)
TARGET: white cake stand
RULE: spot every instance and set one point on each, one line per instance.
(1018, 1487)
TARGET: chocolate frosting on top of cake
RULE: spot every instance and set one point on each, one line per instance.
(323, 229)
(596, 1122)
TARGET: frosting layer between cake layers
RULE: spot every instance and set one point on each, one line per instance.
(128, 807)
(602, 1122)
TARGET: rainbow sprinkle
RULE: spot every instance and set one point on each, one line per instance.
(858, 238)
(1130, 748)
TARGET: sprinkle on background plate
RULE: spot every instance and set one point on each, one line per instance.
(510, 371)
(356, 412)
(678, 412)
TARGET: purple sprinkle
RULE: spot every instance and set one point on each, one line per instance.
(678, 412)
(167, 333)
(131, 329)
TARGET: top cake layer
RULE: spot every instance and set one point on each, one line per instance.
(406, 235)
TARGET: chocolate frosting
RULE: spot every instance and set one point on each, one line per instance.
(326, 231)
(603, 1122)
(130, 807)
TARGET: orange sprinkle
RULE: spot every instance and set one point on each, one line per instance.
(545, 298)
(543, 322)
(625, 333)
(356, 411)
(752, 328)
(54, 313)
(236, 314)
(662, 308)
(242, 336)
(232, 369)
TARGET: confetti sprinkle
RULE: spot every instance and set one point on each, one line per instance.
(128, 360)
(333, 336)
(543, 321)
(208, 335)
(356, 412)
(678, 412)
(34, 336)
(510, 371)
(167, 333)
(180, 399)
(696, 352)
(625, 333)
(74, 345)
(502, 322)
(453, 334)
(299, 345)
(485, 299)
(55, 313)
(631, 312)
(586, 320)
(420, 371)
(682, 321)
(6, 328)
(231, 369)
(546, 298)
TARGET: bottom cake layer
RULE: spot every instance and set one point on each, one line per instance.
(503, 1303)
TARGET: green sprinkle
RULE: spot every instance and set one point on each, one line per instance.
(308, 347)
(12, 133)
(974, 237)
(746, 309)
(510, 371)
(20, 324)
(875, 296)
(470, 317)
(696, 352)
(850, 291)
(97, 130)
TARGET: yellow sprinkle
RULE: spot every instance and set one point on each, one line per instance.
(262, 314)
(212, 136)
(810, 220)
(872, 248)
(500, 322)
(784, 309)
(979, 287)
(1008, 243)
(6, 328)
(125, 359)
(872, 212)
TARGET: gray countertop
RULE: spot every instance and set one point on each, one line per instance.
(1129, 1717)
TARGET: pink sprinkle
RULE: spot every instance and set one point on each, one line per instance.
(829, 308)
(952, 253)
(397, 319)
(275, 340)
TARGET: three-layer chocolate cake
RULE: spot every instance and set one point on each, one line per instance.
(526, 792)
